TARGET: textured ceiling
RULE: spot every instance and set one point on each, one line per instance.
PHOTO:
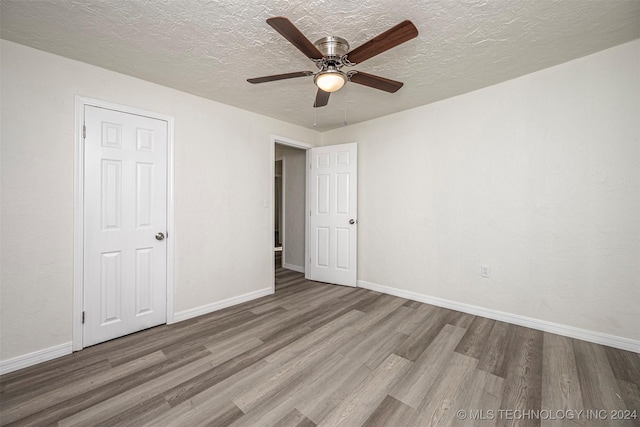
(210, 48)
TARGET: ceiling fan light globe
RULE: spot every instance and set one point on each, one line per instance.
(330, 81)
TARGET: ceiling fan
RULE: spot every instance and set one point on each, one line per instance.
(331, 54)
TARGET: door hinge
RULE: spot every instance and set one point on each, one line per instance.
(83, 317)
(84, 132)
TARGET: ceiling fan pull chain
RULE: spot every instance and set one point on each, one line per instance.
(315, 117)
(345, 105)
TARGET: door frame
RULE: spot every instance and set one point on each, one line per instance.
(78, 208)
(282, 200)
(275, 139)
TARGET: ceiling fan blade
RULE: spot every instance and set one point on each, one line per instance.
(391, 38)
(295, 37)
(376, 82)
(322, 98)
(275, 77)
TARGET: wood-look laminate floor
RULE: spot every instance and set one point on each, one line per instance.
(317, 354)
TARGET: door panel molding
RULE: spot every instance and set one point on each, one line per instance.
(78, 206)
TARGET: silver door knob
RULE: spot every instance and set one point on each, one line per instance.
(160, 236)
(352, 221)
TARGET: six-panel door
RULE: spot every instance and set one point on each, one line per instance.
(125, 194)
(333, 214)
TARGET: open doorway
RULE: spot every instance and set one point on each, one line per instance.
(289, 206)
(327, 173)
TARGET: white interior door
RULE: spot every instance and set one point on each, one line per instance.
(125, 223)
(333, 229)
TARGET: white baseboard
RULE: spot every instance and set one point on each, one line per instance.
(50, 353)
(293, 267)
(516, 319)
(209, 308)
(34, 358)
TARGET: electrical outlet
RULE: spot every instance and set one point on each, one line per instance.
(484, 271)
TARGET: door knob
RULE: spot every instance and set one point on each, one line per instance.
(160, 236)
(352, 221)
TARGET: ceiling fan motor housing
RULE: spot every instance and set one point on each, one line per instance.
(333, 48)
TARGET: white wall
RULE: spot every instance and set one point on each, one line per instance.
(295, 194)
(222, 181)
(537, 177)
